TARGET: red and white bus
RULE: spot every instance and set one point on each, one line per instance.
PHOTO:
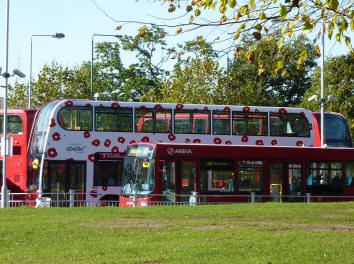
(80, 144)
(171, 173)
(19, 128)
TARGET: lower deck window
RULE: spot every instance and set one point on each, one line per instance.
(107, 173)
(325, 177)
(217, 176)
(250, 175)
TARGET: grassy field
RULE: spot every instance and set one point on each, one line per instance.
(239, 233)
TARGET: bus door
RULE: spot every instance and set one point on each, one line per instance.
(293, 181)
(188, 183)
(276, 171)
(63, 176)
(168, 177)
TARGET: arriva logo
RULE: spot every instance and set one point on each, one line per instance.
(172, 151)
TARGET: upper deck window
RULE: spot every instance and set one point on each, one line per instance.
(75, 118)
(192, 122)
(153, 120)
(254, 124)
(14, 124)
(114, 119)
(221, 123)
(289, 125)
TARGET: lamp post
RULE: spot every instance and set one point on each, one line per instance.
(6, 75)
(92, 51)
(55, 35)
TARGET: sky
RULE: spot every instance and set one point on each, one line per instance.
(79, 20)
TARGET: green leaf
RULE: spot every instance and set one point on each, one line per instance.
(232, 3)
(333, 4)
(244, 9)
(339, 37)
(283, 11)
(347, 41)
(307, 27)
(208, 2)
(262, 16)
(280, 64)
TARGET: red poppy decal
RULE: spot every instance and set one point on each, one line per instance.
(179, 106)
(107, 143)
(115, 104)
(52, 123)
(274, 142)
(145, 139)
(244, 139)
(104, 188)
(282, 110)
(88, 105)
(217, 140)
(206, 108)
(299, 143)
(188, 140)
(69, 103)
(259, 142)
(228, 142)
(101, 105)
(158, 106)
(70, 159)
(310, 126)
(92, 157)
(121, 140)
(171, 137)
(256, 110)
(197, 140)
(93, 193)
(302, 113)
(52, 152)
(246, 109)
(227, 109)
(56, 136)
(95, 142)
(87, 134)
(142, 107)
(115, 149)
(132, 141)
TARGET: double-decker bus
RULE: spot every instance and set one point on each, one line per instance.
(80, 144)
(19, 128)
(171, 173)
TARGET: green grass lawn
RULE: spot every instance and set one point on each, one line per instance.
(238, 233)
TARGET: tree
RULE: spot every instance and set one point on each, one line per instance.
(255, 81)
(195, 79)
(339, 80)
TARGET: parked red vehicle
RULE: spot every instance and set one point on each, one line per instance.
(174, 173)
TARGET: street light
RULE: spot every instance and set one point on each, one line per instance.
(92, 51)
(55, 35)
(6, 75)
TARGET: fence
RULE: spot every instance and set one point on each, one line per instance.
(74, 199)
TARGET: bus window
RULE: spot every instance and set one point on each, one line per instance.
(153, 121)
(325, 177)
(107, 173)
(114, 119)
(250, 175)
(221, 123)
(253, 124)
(289, 125)
(163, 121)
(217, 176)
(192, 122)
(75, 118)
(350, 173)
(14, 124)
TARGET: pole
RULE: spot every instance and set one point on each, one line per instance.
(323, 100)
(4, 197)
(30, 80)
(92, 66)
